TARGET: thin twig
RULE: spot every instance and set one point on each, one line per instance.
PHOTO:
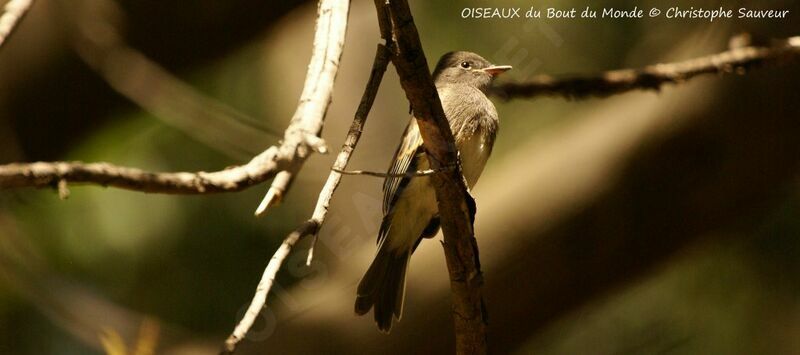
(274, 196)
(15, 10)
(382, 57)
(412, 174)
(454, 202)
(63, 189)
(312, 226)
(283, 181)
(737, 60)
(267, 280)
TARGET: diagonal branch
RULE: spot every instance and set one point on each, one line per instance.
(312, 226)
(265, 285)
(280, 184)
(15, 10)
(737, 60)
(455, 203)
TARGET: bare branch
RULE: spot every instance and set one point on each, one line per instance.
(300, 138)
(454, 201)
(274, 196)
(267, 280)
(413, 174)
(312, 226)
(15, 10)
(63, 189)
(41, 174)
(317, 91)
(737, 60)
(382, 57)
(384, 22)
(283, 181)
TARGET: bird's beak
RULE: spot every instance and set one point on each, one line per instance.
(496, 70)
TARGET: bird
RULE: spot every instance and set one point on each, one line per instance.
(410, 211)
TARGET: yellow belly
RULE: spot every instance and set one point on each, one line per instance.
(473, 153)
(416, 204)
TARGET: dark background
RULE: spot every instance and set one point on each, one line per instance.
(640, 224)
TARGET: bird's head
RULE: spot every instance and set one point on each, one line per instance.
(467, 68)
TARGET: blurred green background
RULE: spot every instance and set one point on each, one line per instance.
(665, 223)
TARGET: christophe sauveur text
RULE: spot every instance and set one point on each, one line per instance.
(636, 12)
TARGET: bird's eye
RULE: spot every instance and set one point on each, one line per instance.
(465, 65)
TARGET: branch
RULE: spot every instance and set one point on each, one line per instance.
(454, 202)
(737, 60)
(300, 138)
(382, 57)
(413, 174)
(267, 280)
(312, 226)
(274, 196)
(332, 20)
(283, 181)
(15, 10)
(41, 174)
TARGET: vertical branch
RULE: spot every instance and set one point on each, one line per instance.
(382, 57)
(456, 206)
(317, 91)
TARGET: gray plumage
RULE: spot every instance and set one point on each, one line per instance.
(409, 204)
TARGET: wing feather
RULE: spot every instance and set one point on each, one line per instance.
(403, 162)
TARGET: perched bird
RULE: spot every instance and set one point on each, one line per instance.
(409, 203)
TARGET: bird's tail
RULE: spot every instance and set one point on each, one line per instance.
(383, 286)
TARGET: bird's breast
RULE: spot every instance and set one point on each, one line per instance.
(473, 120)
(474, 151)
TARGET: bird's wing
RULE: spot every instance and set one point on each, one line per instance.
(404, 161)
